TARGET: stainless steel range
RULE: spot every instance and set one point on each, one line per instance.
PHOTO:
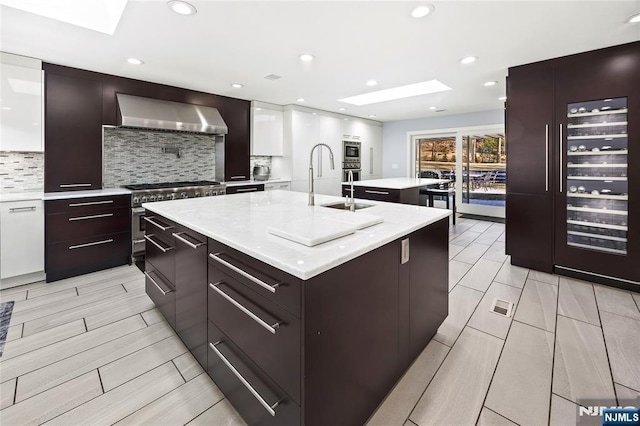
(165, 191)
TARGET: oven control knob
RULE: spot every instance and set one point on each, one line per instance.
(159, 197)
(171, 196)
(144, 199)
(152, 197)
(183, 195)
(207, 194)
(197, 194)
(136, 200)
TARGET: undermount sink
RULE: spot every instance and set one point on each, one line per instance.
(341, 206)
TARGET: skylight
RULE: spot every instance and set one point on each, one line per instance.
(97, 15)
(410, 90)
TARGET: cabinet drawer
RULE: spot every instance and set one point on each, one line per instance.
(161, 255)
(256, 397)
(378, 194)
(84, 255)
(68, 226)
(265, 332)
(162, 293)
(271, 283)
(159, 226)
(245, 188)
(87, 204)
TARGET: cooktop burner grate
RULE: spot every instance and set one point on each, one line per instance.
(162, 185)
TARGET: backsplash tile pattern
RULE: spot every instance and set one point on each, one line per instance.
(259, 160)
(135, 156)
(21, 171)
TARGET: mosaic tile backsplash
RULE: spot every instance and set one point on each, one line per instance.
(136, 156)
(21, 171)
(259, 160)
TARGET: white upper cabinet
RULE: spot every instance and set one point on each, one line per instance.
(266, 129)
(22, 104)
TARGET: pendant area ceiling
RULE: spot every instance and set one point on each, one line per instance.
(352, 42)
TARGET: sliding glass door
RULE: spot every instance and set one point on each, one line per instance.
(473, 158)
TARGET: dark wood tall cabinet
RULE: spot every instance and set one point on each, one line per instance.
(73, 133)
(573, 126)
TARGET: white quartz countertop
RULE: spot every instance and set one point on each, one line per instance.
(254, 182)
(241, 222)
(398, 182)
(21, 196)
(82, 194)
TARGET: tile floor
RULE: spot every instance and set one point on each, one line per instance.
(94, 350)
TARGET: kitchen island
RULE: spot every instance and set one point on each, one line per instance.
(403, 190)
(295, 334)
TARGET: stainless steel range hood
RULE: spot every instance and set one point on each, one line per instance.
(146, 113)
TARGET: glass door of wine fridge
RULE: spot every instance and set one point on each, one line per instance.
(597, 200)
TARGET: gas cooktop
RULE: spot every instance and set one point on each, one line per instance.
(163, 185)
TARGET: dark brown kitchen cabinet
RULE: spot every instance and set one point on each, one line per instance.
(529, 123)
(575, 210)
(290, 351)
(79, 102)
(86, 235)
(73, 133)
(191, 290)
(403, 196)
(240, 189)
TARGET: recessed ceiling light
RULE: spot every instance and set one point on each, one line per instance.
(433, 108)
(342, 109)
(468, 60)
(6, 108)
(633, 19)
(182, 7)
(422, 11)
(135, 61)
(371, 83)
(345, 119)
(502, 98)
(237, 85)
(490, 83)
(314, 113)
(306, 57)
(300, 100)
(372, 115)
(416, 89)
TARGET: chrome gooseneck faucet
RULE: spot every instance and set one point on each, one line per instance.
(311, 168)
(350, 202)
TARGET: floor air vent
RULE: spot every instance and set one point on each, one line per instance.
(501, 307)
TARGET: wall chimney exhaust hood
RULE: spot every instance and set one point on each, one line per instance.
(147, 113)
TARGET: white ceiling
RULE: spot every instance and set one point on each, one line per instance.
(353, 41)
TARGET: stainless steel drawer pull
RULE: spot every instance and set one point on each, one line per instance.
(164, 250)
(95, 216)
(265, 404)
(247, 189)
(74, 185)
(189, 243)
(91, 203)
(22, 209)
(217, 258)
(163, 291)
(271, 328)
(154, 223)
(376, 192)
(238, 177)
(110, 240)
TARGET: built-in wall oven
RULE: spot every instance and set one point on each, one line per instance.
(351, 159)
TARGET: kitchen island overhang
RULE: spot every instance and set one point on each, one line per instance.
(344, 318)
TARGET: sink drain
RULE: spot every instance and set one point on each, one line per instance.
(501, 307)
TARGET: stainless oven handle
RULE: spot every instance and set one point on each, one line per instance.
(164, 250)
(234, 302)
(265, 404)
(138, 241)
(189, 243)
(138, 210)
(246, 189)
(217, 258)
(153, 222)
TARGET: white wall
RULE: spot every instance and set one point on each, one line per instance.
(394, 135)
